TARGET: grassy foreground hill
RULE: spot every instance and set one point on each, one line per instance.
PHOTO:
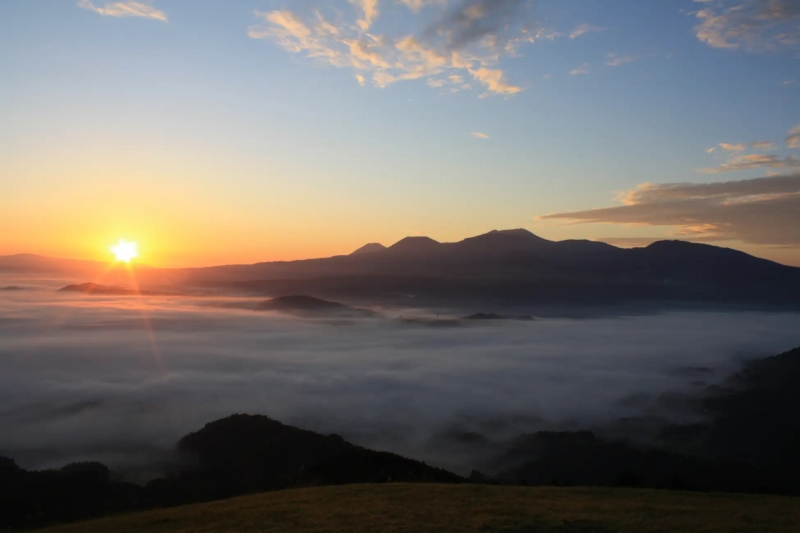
(421, 508)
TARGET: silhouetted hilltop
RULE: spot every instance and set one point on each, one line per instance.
(245, 453)
(415, 245)
(370, 248)
(750, 442)
(308, 305)
(757, 415)
(495, 316)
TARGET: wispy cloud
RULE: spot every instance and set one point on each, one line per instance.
(763, 145)
(732, 147)
(583, 29)
(755, 25)
(469, 39)
(479, 135)
(614, 60)
(125, 8)
(758, 211)
(583, 69)
(417, 5)
(753, 161)
(793, 139)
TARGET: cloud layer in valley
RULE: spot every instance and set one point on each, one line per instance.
(121, 379)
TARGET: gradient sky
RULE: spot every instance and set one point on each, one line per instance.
(250, 130)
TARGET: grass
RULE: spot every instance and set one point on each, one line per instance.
(422, 508)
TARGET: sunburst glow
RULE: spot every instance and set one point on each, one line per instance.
(124, 251)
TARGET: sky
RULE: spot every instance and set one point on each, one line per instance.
(217, 132)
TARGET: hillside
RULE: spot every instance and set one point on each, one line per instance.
(464, 508)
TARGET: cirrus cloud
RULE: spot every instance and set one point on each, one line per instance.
(125, 8)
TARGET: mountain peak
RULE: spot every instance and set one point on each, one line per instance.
(415, 244)
(370, 248)
(500, 241)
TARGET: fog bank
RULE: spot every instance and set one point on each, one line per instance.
(120, 379)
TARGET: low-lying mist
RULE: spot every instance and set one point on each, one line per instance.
(121, 379)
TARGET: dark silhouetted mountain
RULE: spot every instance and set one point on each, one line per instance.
(502, 242)
(582, 459)
(110, 290)
(236, 455)
(415, 245)
(77, 491)
(308, 305)
(370, 249)
(495, 316)
(750, 442)
(509, 269)
(244, 453)
(756, 415)
(517, 268)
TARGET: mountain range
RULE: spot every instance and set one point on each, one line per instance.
(501, 268)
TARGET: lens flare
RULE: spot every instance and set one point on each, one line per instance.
(124, 251)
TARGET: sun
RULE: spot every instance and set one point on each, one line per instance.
(124, 251)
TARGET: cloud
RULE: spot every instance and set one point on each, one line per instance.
(84, 379)
(125, 8)
(754, 25)
(468, 39)
(583, 69)
(370, 12)
(582, 30)
(793, 139)
(762, 211)
(763, 145)
(753, 161)
(710, 150)
(417, 5)
(732, 147)
(479, 135)
(613, 60)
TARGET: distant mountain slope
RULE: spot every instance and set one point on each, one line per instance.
(369, 249)
(110, 290)
(308, 305)
(511, 267)
(32, 263)
(519, 268)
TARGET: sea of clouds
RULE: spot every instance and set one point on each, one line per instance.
(121, 379)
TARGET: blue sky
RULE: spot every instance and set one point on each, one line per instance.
(256, 129)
